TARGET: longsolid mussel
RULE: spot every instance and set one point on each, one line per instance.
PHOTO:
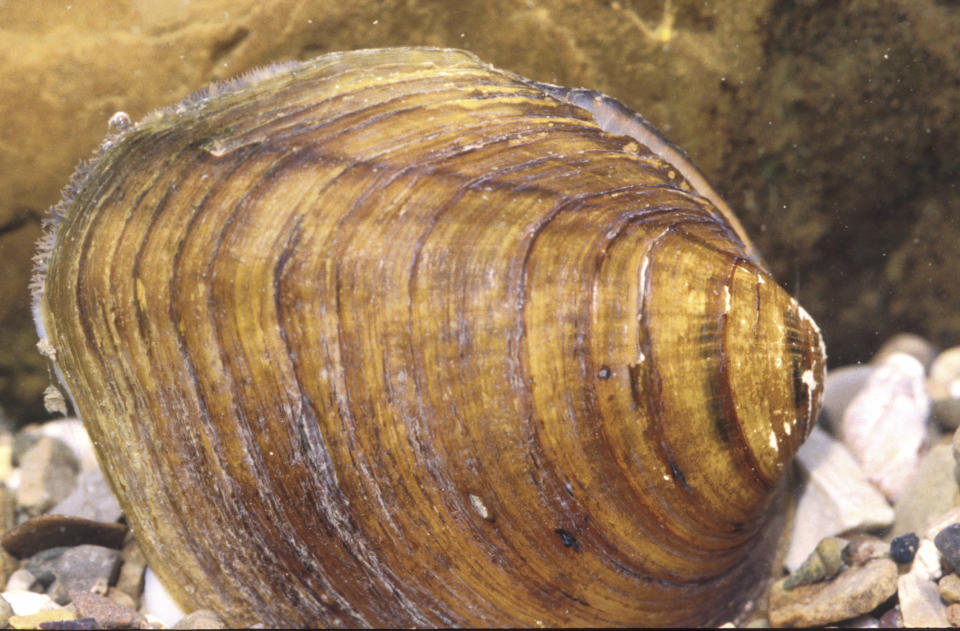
(392, 337)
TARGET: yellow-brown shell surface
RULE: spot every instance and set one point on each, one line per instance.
(392, 337)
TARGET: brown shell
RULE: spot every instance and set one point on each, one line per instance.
(392, 337)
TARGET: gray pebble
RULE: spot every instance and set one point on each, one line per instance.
(48, 473)
(948, 543)
(91, 499)
(43, 565)
(943, 384)
(200, 619)
(83, 567)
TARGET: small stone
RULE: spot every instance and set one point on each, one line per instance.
(909, 343)
(77, 624)
(34, 620)
(948, 543)
(835, 499)
(920, 602)
(81, 568)
(6, 611)
(121, 598)
(853, 592)
(839, 388)
(904, 548)
(91, 499)
(892, 618)
(108, 613)
(157, 601)
(949, 587)
(931, 492)
(21, 580)
(48, 472)
(926, 563)
(863, 547)
(27, 603)
(43, 565)
(885, 426)
(133, 565)
(953, 615)
(49, 531)
(200, 619)
(943, 384)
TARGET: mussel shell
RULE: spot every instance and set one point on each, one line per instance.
(392, 337)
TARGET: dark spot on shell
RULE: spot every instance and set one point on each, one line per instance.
(568, 540)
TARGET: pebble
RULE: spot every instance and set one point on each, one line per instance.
(836, 497)
(201, 619)
(6, 611)
(35, 620)
(948, 543)
(157, 601)
(71, 432)
(48, 473)
(839, 388)
(28, 603)
(953, 614)
(90, 499)
(83, 567)
(909, 343)
(931, 492)
(920, 603)
(107, 613)
(926, 563)
(48, 531)
(21, 580)
(949, 587)
(855, 591)
(885, 426)
(130, 580)
(943, 384)
(904, 548)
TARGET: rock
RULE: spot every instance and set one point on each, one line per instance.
(931, 492)
(133, 565)
(926, 563)
(200, 619)
(48, 531)
(948, 543)
(885, 426)
(82, 567)
(28, 603)
(949, 587)
(863, 547)
(157, 602)
(853, 592)
(835, 499)
(35, 620)
(48, 472)
(91, 499)
(908, 343)
(943, 384)
(904, 548)
(840, 387)
(108, 613)
(21, 580)
(72, 433)
(43, 565)
(6, 611)
(892, 618)
(953, 615)
(920, 602)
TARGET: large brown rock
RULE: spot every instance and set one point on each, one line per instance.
(831, 127)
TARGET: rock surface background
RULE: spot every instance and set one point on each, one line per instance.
(831, 128)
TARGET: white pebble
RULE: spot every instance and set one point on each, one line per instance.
(157, 601)
(926, 563)
(920, 603)
(839, 389)
(26, 603)
(836, 498)
(885, 426)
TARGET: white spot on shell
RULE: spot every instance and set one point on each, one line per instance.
(726, 299)
(774, 445)
(119, 123)
(808, 379)
(788, 427)
(479, 506)
(46, 349)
